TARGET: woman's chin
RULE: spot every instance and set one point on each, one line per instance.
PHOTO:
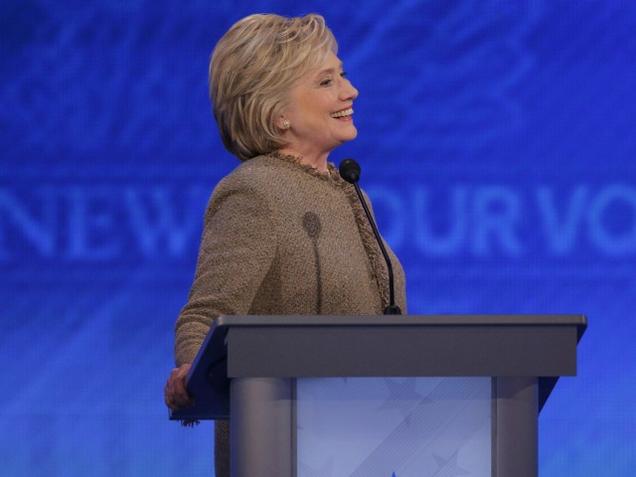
(351, 133)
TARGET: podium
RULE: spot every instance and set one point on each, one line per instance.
(386, 396)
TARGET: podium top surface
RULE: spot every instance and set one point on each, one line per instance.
(415, 345)
(372, 346)
(401, 320)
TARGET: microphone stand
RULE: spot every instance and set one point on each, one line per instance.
(350, 171)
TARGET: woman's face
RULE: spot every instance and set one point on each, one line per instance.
(320, 110)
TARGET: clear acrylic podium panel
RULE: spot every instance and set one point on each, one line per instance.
(393, 427)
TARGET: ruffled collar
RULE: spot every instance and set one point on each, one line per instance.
(332, 173)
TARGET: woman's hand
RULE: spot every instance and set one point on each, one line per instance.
(175, 393)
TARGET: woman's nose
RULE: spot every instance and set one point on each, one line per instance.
(349, 92)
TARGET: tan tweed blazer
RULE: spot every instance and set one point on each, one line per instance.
(282, 238)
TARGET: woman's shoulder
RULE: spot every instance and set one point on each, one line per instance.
(279, 182)
(259, 174)
(257, 182)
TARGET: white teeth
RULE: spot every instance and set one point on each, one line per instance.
(344, 112)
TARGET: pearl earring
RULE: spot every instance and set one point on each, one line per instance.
(286, 124)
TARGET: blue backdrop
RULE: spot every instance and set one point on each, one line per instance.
(496, 139)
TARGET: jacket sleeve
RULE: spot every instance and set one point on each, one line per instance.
(237, 249)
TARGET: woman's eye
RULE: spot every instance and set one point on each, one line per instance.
(343, 74)
(325, 82)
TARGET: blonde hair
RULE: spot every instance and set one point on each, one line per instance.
(252, 70)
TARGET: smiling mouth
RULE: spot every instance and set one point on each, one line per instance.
(344, 114)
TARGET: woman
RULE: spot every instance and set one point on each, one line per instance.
(283, 233)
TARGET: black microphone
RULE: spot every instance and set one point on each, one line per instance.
(350, 171)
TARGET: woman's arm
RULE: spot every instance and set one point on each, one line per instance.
(237, 249)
